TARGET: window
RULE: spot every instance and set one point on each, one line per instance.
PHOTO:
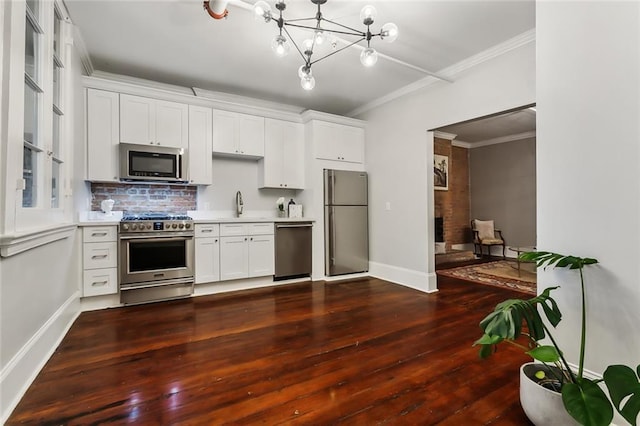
(32, 99)
(43, 165)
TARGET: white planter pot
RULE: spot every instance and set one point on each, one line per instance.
(542, 406)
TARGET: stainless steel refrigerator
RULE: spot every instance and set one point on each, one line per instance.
(346, 224)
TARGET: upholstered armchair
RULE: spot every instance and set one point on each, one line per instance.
(485, 235)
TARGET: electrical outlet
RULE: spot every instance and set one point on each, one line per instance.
(387, 205)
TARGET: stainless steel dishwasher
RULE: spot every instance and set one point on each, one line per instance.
(293, 250)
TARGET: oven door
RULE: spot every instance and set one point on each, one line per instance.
(147, 258)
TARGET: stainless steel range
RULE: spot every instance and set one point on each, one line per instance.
(156, 257)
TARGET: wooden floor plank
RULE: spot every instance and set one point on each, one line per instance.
(355, 352)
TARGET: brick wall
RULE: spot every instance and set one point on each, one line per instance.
(453, 204)
(143, 197)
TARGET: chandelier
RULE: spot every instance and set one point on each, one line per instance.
(321, 31)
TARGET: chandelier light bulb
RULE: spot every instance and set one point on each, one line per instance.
(319, 37)
(307, 45)
(262, 11)
(369, 57)
(308, 82)
(303, 71)
(280, 46)
(368, 14)
(389, 32)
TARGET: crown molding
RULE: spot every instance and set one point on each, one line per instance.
(451, 72)
(83, 53)
(462, 144)
(504, 139)
(444, 135)
(310, 114)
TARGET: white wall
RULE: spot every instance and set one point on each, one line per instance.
(231, 175)
(399, 154)
(588, 178)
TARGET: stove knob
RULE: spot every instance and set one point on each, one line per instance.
(134, 226)
(149, 226)
(181, 225)
(125, 226)
(187, 225)
(174, 226)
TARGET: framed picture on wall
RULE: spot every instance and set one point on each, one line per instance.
(440, 172)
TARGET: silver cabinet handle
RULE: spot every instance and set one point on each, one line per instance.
(95, 283)
(98, 234)
(99, 256)
(207, 230)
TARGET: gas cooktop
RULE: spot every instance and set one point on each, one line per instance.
(128, 216)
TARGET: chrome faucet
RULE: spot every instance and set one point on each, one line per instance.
(239, 204)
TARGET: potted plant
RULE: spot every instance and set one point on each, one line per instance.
(522, 323)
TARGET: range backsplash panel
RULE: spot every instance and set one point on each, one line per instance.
(143, 197)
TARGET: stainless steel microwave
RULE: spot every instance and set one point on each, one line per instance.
(153, 163)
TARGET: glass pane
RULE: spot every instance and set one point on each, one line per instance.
(29, 165)
(56, 86)
(55, 184)
(56, 135)
(30, 115)
(31, 51)
(56, 34)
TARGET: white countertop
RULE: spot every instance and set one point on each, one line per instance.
(94, 218)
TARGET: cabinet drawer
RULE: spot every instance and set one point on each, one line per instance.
(207, 230)
(99, 255)
(100, 281)
(265, 228)
(233, 229)
(99, 234)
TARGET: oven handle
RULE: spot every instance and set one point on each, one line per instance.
(157, 237)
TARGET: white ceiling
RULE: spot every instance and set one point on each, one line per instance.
(176, 42)
(504, 127)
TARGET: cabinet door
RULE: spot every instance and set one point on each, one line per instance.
(225, 132)
(261, 256)
(234, 258)
(207, 259)
(137, 120)
(172, 120)
(293, 155)
(200, 145)
(251, 135)
(326, 145)
(103, 125)
(352, 144)
(271, 166)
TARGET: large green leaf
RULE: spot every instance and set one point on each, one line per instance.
(587, 403)
(545, 353)
(545, 259)
(622, 383)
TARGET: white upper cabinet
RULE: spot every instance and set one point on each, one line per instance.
(283, 162)
(200, 145)
(338, 142)
(238, 134)
(147, 121)
(102, 135)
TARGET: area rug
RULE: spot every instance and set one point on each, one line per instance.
(502, 273)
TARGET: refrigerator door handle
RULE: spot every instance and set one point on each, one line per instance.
(332, 255)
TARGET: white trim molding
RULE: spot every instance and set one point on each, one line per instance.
(503, 139)
(425, 282)
(22, 369)
(444, 135)
(450, 72)
(18, 243)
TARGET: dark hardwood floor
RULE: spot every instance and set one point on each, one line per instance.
(357, 352)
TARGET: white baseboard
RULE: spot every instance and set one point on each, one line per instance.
(22, 369)
(425, 282)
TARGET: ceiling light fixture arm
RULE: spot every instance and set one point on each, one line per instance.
(334, 52)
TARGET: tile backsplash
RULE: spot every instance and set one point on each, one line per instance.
(144, 197)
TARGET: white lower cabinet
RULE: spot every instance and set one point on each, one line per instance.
(99, 260)
(207, 253)
(246, 250)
